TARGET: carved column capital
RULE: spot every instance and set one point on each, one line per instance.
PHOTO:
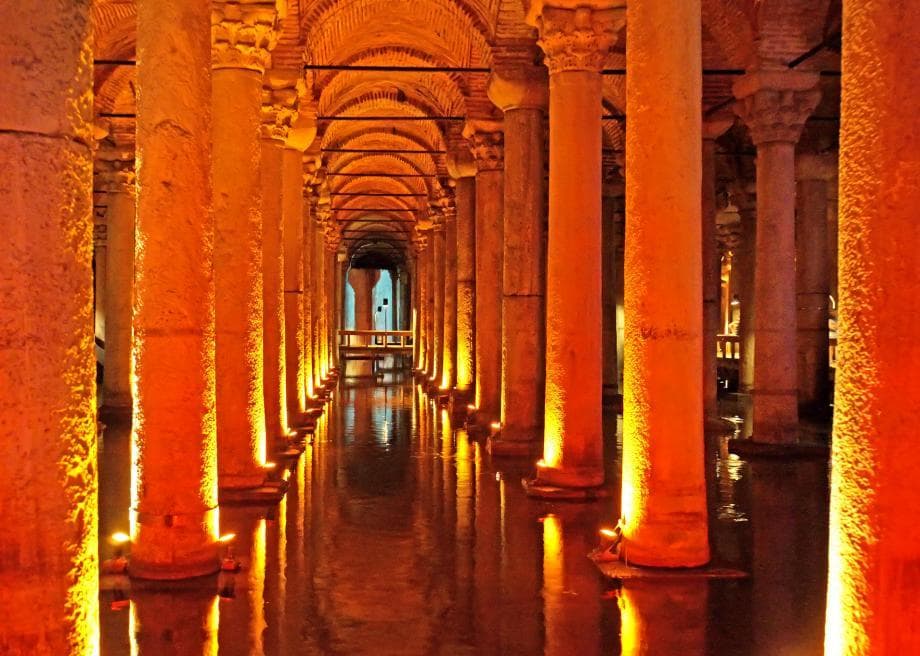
(516, 82)
(776, 103)
(243, 34)
(114, 170)
(487, 144)
(576, 38)
(281, 94)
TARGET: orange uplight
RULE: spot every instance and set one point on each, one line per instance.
(609, 533)
(471, 407)
(227, 538)
(541, 464)
(120, 538)
(269, 465)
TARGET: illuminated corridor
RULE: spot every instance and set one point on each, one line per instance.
(459, 327)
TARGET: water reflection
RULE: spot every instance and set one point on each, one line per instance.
(400, 535)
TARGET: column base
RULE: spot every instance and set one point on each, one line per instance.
(753, 449)
(206, 567)
(174, 547)
(500, 447)
(537, 489)
(269, 492)
(459, 405)
(618, 570)
(718, 425)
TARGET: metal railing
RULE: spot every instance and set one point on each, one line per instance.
(383, 340)
(728, 347)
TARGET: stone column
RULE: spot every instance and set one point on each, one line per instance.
(174, 516)
(362, 281)
(449, 339)
(874, 534)
(815, 173)
(279, 99)
(520, 90)
(322, 344)
(424, 255)
(242, 35)
(309, 300)
(117, 179)
(437, 303)
(292, 213)
(463, 171)
(712, 280)
(486, 140)
(612, 262)
(663, 499)
(99, 275)
(775, 104)
(49, 567)
(576, 42)
(743, 272)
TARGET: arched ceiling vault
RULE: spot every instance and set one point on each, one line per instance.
(362, 61)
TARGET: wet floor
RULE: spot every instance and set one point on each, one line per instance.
(399, 535)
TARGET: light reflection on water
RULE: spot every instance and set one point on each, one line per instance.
(400, 535)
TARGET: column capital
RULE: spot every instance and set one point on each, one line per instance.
(516, 82)
(776, 103)
(243, 33)
(816, 166)
(460, 161)
(717, 125)
(281, 94)
(576, 37)
(113, 169)
(487, 144)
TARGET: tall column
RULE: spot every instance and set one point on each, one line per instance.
(576, 42)
(239, 56)
(99, 275)
(362, 281)
(743, 272)
(277, 115)
(118, 181)
(463, 172)
(520, 90)
(174, 516)
(437, 303)
(292, 213)
(775, 105)
(815, 173)
(712, 270)
(872, 602)
(424, 255)
(320, 287)
(449, 339)
(486, 139)
(49, 567)
(612, 261)
(309, 299)
(338, 292)
(663, 499)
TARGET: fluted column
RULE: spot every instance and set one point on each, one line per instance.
(520, 90)
(278, 112)
(712, 282)
(815, 173)
(49, 566)
(242, 35)
(576, 42)
(174, 515)
(872, 598)
(663, 497)
(775, 104)
(116, 178)
(449, 339)
(486, 141)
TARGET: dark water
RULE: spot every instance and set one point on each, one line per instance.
(401, 536)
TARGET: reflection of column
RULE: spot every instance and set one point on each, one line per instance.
(712, 130)
(48, 567)
(576, 42)
(663, 617)
(813, 280)
(118, 181)
(277, 115)
(775, 105)
(174, 484)
(248, 585)
(486, 145)
(170, 622)
(520, 89)
(238, 64)
(663, 501)
(466, 284)
(875, 536)
(449, 339)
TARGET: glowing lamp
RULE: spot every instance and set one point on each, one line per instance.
(227, 538)
(269, 465)
(608, 549)
(120, 538)
(541, 464)
(471, 407)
